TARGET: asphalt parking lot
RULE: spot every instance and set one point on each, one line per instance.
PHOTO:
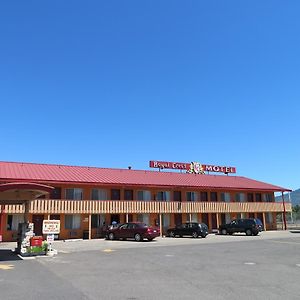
(217, 267)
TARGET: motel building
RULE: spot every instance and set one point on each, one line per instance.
(86, 199)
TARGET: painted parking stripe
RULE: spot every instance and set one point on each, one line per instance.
(6, 267)
(108, 250)
(250, 263)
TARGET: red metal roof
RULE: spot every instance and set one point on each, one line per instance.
(46, 173)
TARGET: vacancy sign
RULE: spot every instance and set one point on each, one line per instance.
(51, 226)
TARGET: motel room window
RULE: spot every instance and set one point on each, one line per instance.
(191, 196)
(13, 221)
(269, 217)
(128, 195)
(56, 193)
(250, 197)
(214, 197)
(144, 218)
(98, 221)
(143, 195)
(225, 197)
(258, 197)
(163, 196)
(240, 197)
(203, 196)
(74, 194)
(194, 218)
(267, 197)
(166, 220)
(99, 194)
(72, 221)
(115, 194)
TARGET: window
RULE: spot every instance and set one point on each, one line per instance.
(250, 197)
(163, 196)
(240, 197)
(191, 196)
(74, 194)
(144, 218)
(99, 194)
(13, 221)
(203, 196)
(143, 195)
(115, 194)
(225, 197)
(267, 197)
(214, 197)
(98, 221)
(194, 217)
(72, 221)
(56, 193)
(258, 197)
(128, 195)
(177, 196)
(269, 217)
(166, 220)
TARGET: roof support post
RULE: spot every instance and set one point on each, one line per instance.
(2, 215)
(264, 221)
(160, 225)
(284, 212)
(90, 226)
(26, 213)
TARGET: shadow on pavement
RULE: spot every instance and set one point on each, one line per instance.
(8, 255)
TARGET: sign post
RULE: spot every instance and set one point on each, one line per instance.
(51, 227)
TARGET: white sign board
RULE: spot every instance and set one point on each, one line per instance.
(51, 226)
(50, 238)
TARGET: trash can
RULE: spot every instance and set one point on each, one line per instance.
(85, 235)
(36, 241)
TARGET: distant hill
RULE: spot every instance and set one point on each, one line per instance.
(295, 197)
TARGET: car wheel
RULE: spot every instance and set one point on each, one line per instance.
(150, 239)
(172, 234)
(137, 237)
(224, 231)
(195, 234)
(248, 232)
(256, 233)
(111, 236)
(204, 235)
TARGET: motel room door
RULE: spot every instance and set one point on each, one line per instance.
(37, 220)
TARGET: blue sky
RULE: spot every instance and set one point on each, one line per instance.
(118, 83)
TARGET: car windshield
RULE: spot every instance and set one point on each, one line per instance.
(258, 222)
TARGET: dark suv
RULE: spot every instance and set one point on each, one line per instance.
(249, 226)
(193, 229)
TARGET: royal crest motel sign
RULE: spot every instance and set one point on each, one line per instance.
(193, 167)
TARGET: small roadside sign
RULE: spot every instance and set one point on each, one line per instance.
(51, 226)
(50, 238)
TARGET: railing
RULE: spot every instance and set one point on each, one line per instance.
(119, 207)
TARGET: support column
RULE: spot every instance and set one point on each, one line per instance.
(126, 218)
(264, 220)
(218, 220)
(2, 221)
(26, 213)
(284, 212)
(90, 226)
(160, 225)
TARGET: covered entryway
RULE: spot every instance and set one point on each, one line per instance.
(20, 193)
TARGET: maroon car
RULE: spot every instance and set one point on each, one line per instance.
(132, 230)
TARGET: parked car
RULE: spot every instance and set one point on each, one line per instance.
(249, 226)
(192, 229)
(132, 230)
